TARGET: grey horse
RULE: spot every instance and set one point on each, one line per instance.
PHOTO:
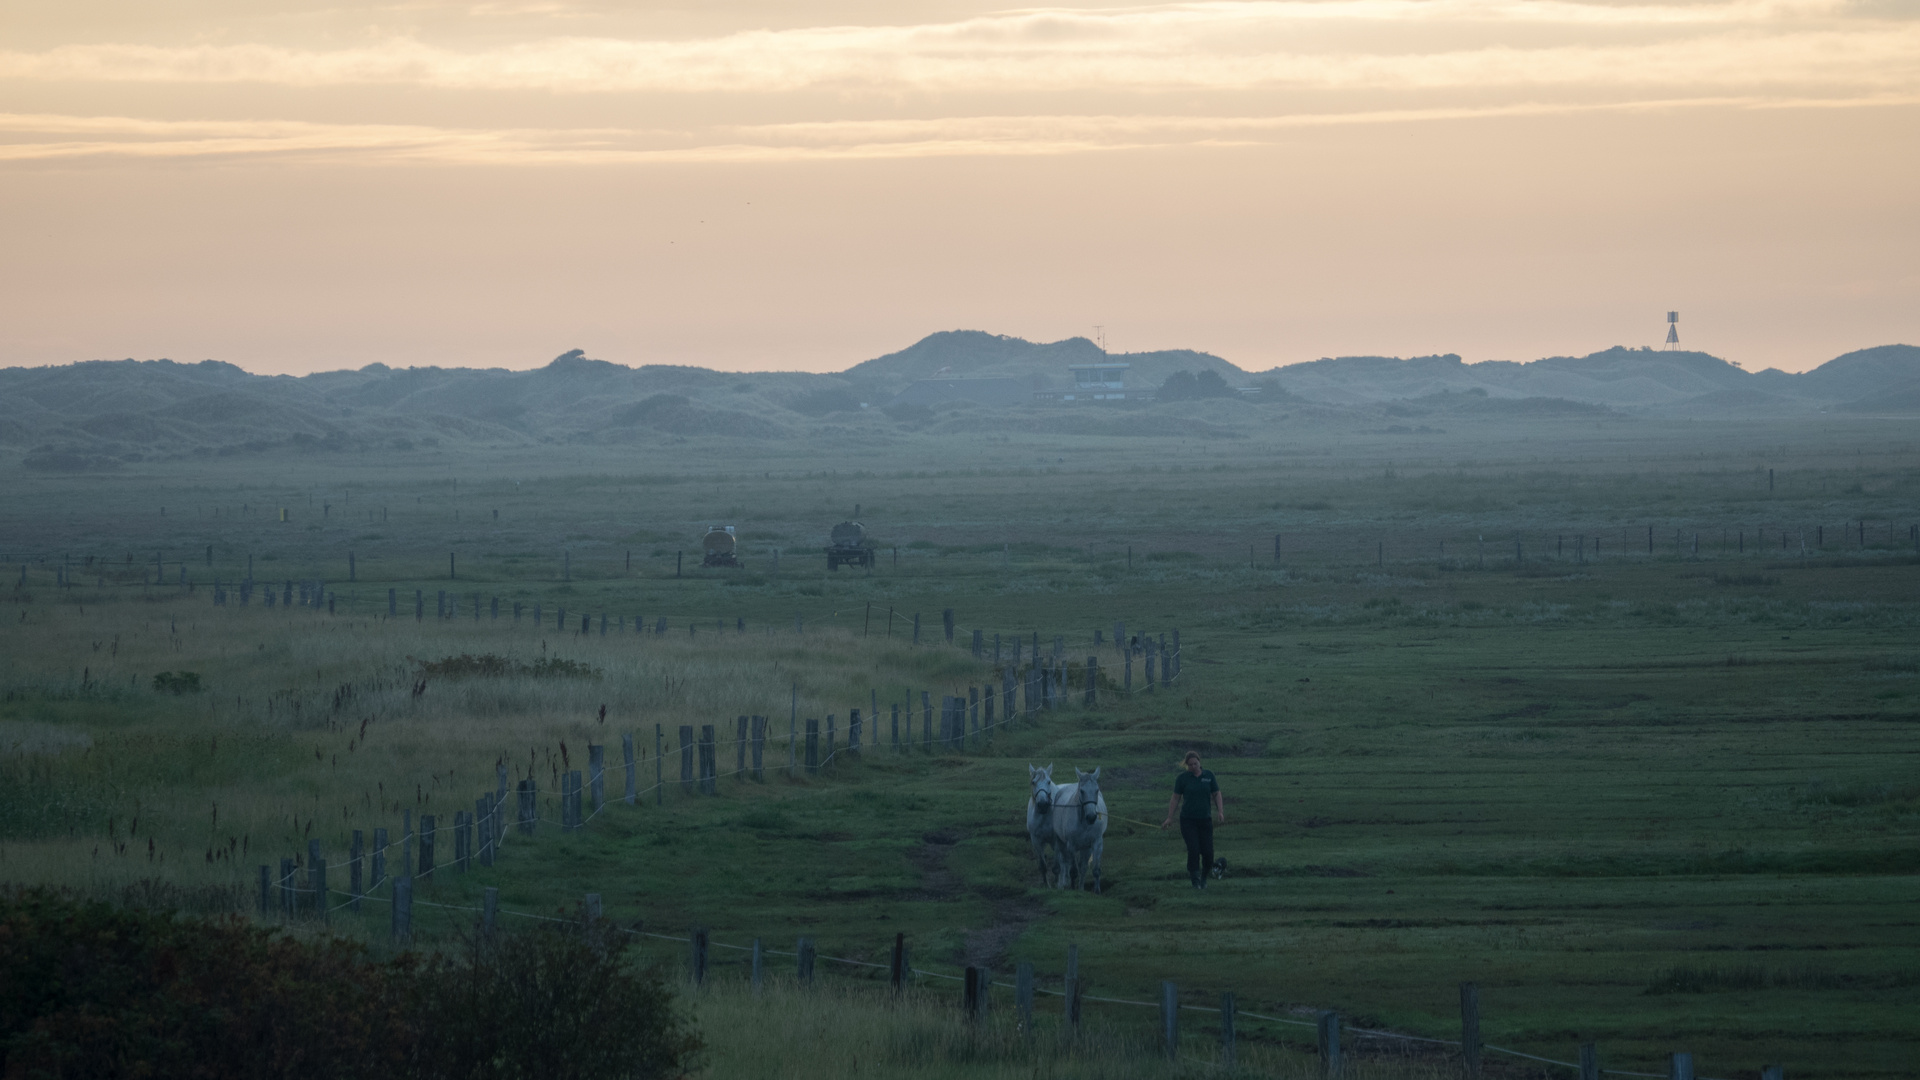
(1040, 811)
(1080, 830)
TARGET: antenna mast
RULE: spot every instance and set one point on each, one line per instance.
(1673, 329)
(1100, 337)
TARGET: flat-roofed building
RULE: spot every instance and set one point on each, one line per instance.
(1095, 382)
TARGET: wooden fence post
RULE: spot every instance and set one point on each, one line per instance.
(813, 745)
(591, 908)
(484, 810)
(1093, 680)
(1071, 1003)
(317, 884)
(926, 720)
(977, 644)
(759, 747)
(266, 890)
(740, 751)
(597, 774)
(897, 968)
(896, 727)
(659, 764)
(489, 909)
(1023, 994)
(426, 845)
(1170, 1019)
(633, 779)
(1589, 1062)
(803, 961)
(460, 837)
(853, 733)
(946, 620)
(686, 757)
(1329, 1032)
(1227, 1010)
(354, 883)
(916, 628)
(970, 994)
(1470, 1028)
(379, 872)
(709, 767)
(529, 791)
(1773, 1072)
(497, 811)
(1680, 1066)
(698, 939)
(758, 961)
(402, 910)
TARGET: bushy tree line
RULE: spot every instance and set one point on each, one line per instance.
(1185, 386)
(91, 990)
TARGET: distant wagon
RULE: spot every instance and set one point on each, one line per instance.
(718, 545)
(850, 546)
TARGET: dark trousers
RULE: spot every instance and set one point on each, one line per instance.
(1198, 833)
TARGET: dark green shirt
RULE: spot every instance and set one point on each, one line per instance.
(1196, 793)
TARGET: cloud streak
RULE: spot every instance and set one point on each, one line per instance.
(26, 138)
(1264, 44)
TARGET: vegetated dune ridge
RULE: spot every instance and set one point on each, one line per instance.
(101, 414)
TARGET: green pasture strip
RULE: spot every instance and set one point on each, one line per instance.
(1657, 802)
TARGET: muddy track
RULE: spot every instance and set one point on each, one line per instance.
(1012, 909)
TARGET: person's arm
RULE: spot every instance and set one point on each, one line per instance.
(1173, 807)
(1220, 806)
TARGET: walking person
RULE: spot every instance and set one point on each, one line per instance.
(1196, 799)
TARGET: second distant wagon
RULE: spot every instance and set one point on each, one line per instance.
(718, 547)
(849, 547)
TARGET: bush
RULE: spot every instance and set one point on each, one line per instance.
(177, 682)
(1186, 386)
(91, 990)
(554, 1002)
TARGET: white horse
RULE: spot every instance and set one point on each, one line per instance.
(1040, 809)
(1080, 830)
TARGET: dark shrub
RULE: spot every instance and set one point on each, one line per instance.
(90, 990)
(554, 1002)
(178, 682)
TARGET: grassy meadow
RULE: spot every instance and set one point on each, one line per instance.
(1657, 800)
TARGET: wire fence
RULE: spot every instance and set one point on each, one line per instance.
(1330, 1030)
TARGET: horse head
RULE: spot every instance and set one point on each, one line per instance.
(1087, 795)
(1042, 780)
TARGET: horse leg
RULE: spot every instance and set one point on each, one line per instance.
(1099, 848)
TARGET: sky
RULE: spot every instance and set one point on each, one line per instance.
(752, 185)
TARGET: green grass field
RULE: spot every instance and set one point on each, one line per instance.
(1658, 801)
